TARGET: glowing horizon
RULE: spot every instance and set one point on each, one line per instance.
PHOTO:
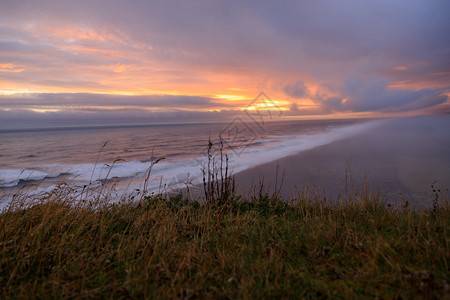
(215, 61)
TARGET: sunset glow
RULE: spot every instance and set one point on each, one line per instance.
(219, 61)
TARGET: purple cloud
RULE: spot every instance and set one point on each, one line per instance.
(355, 50)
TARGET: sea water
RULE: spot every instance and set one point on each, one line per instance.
(94, 155)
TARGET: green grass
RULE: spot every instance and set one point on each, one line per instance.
(224, 249)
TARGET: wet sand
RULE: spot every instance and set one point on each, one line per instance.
(400, 160)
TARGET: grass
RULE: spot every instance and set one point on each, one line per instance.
(232, 248)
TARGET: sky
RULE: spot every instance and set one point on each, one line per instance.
(166, 61)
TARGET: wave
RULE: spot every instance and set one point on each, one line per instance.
(10, 178)
(176, 174)
(292, 145)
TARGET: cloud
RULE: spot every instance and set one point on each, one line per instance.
(360, 96)
(208, 46)
(25, 119)
(296, 89)
(74, 100)
(10, 68)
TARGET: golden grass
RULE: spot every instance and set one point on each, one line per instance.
(233, 248)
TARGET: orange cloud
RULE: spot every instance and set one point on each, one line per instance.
(119, 68)
(230, 61)
(11, 68)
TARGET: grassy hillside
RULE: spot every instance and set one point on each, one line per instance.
(227, 248)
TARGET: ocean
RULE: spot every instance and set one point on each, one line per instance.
(83, 156)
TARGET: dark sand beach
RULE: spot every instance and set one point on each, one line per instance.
(401, 160)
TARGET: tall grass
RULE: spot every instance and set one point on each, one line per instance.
(264, 248)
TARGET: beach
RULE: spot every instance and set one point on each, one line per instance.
(401, 159)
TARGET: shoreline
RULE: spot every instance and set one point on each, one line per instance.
(399, 163)
(400, 159)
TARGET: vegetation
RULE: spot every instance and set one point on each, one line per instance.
(232, 248)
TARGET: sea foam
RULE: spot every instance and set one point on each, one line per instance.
(176, 174)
